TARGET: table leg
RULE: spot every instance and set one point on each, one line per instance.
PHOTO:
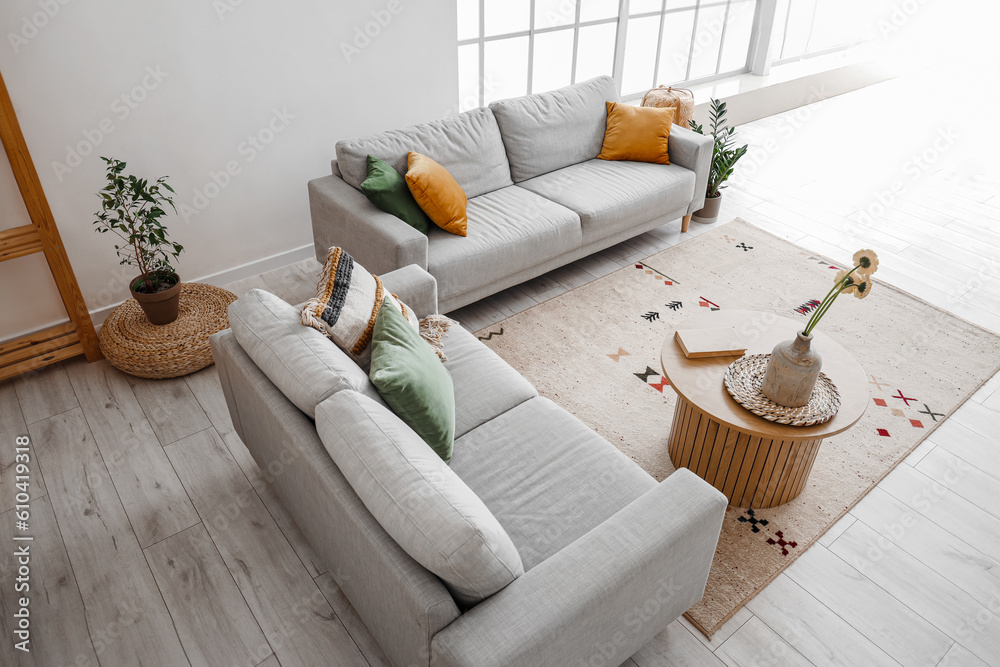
(751, 471)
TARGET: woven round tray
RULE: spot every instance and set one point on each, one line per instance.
(743, 379)
(134, 346)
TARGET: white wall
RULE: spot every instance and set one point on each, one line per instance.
(188, 87)
(28, 295)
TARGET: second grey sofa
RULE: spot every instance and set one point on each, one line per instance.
(610, 556)
(538, 196)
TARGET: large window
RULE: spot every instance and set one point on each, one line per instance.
(813, 27)
(675, 42)
(508, 48)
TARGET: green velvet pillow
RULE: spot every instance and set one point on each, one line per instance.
(413, 381)
(387, 189)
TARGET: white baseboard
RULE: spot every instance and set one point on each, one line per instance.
(219, 279)
(231, 275)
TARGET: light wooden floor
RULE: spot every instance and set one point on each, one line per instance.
(156, 540)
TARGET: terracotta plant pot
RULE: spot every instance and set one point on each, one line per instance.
(791, 372)
(708, 213)
(162, 307)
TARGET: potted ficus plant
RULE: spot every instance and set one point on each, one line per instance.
(132, 209)
(725, 155)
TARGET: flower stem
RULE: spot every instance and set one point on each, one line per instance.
(827, 301)
(821, 311)
(814, 319)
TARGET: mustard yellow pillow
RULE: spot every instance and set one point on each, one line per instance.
(636, 133)
(437, 193)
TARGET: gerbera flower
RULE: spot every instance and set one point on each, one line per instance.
(856, 280)
(864, 287)
(851, 284)
(866, 261)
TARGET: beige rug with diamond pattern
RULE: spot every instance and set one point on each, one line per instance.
(595, 351)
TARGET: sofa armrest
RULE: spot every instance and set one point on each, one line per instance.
(343, 216)
(693, 151)
(601, 598)
(415, 287)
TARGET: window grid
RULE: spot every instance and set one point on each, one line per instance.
(530, 33)
(697, 8)
(621, 21)
(782, 58)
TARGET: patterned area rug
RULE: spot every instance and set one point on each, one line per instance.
(595, 351)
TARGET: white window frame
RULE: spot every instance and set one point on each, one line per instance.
(530, 33)
(663, 13)
(760, 53)
(780, 58)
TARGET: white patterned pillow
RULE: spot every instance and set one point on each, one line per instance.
(347, 304)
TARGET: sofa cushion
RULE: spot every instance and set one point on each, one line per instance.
(468, 145)
(437, 193)
(410, 378)
(560, 479)
(416, 498)
(485, 384)
(386, 188)
(347, 304)
(548, 131)
(509, 230)
(301, 362)
(611, 197)
(637, 133)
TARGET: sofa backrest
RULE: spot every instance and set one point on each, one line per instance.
(303, 363)
(549, 131)
(402, 603)
(468, 145)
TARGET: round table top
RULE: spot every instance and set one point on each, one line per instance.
(699, 381)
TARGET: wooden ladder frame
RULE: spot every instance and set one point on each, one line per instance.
(63, 341)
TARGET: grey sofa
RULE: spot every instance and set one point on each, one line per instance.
(610, 556)
(538, 196)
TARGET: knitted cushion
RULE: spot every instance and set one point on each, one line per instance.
(347, 304)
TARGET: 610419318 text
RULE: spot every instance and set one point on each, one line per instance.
(22, 543)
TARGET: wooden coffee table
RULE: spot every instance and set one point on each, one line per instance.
(754, 462)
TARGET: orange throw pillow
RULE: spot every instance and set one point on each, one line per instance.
(437, 193)
(635, 133)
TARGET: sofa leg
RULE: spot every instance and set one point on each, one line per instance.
(685, 221)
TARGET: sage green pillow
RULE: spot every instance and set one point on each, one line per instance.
(387, 189)
(413, 381)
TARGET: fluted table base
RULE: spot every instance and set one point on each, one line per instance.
(752, 471)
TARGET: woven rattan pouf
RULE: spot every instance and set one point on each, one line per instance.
(136, 347)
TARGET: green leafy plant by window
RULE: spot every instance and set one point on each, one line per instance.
(725, 154)
(133, 209)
